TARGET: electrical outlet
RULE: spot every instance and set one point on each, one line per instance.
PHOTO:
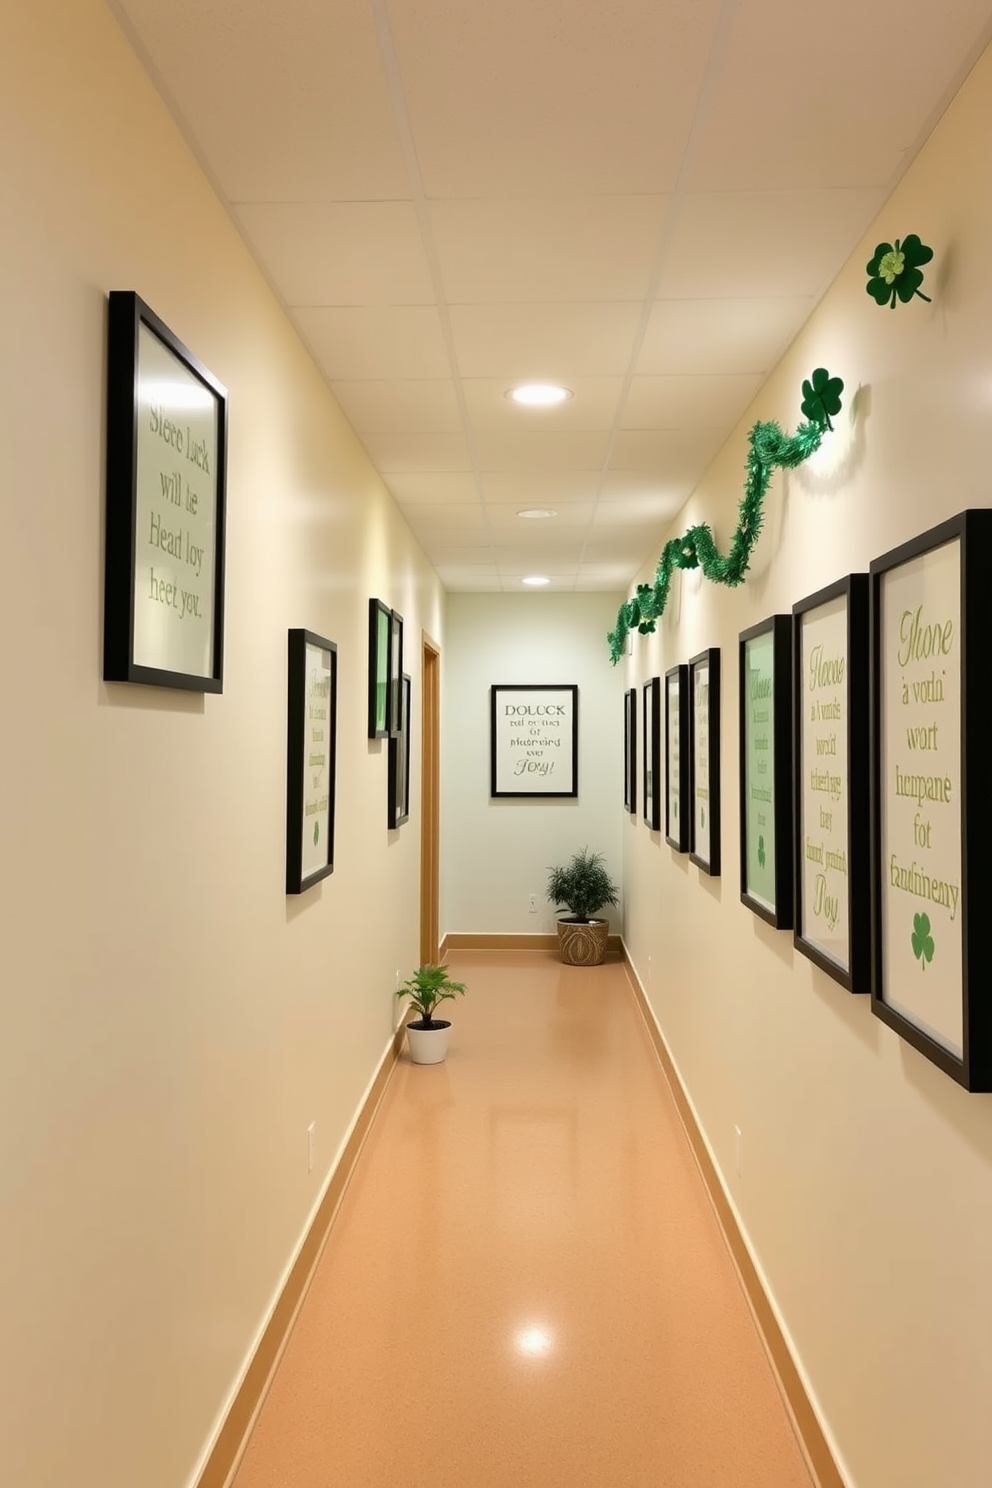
(532, 904)
(739, 1151)
(311, 1143)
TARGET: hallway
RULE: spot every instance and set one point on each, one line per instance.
(525, 1283)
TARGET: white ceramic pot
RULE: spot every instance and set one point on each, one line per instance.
(428, 1045)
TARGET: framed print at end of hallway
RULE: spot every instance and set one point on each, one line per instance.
(534, 739)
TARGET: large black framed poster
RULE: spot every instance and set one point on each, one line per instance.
(534, 740)
(651, 782)
(765, 671)
(311, 736)
(833, 899)
(930, 832)
(630, 749)
(163, 616)
(677, 758)
(704, 760)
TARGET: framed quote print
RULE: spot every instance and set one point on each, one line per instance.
(930, 832)
(395, 704)
(630, 749)
(310, 759)
(380, 629)
(534, 740)
(831, 824)
(163, 615)
(677, 758)
(398, 805)
(765, 670)
(651, 783)
(704, 760)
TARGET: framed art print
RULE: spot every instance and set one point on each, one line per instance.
(311, 736)
(930, 830)
(677, 758)
(765, 673)
(704, 760)
(163, 615)
(380, 628)
(630, 749)
(534, 740)
(830, 682)
(651, 785)
(395, 703)
(399, 763)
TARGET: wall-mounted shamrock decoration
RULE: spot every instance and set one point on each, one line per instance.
(895, 272)
(761, 852)
(922, 940)
(821, 397)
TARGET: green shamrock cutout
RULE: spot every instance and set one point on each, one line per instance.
(922, 940)
(895, 271)
(821, 397)
(316, 832)
(761, 852)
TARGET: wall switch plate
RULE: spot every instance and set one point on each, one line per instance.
(532, 904)
(311, 1143)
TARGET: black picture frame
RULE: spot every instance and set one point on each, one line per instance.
(533, 739)
(765, 721)
(395, 672)
(704, 760)
(832, 836)
(163, 612)
(630, 750)
(651, 764)
(930, 831)
(677, 758)
(380, 628)
(311, 759)
(398, 806)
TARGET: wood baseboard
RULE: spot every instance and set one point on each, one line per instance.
(816, 1449)
(614, 945)
(228, 1448)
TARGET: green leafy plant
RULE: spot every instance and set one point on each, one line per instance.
(583, 885)
(428, 986)
(821, 397)
(895, 271)
(922, 940)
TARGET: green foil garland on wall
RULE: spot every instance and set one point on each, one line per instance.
(769, 448)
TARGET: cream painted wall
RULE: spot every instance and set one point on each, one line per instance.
(171, 1020)
(496, 852)
(866, 1184)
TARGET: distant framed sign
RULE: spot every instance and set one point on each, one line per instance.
(704, 760)
(677, 758)
(534, 740)
(311, 737)
(630, 749)
(930, 833)
(380, 627)
(652, 754)
(399, 763)
(163, 617)
(765, 673)
(832, 837)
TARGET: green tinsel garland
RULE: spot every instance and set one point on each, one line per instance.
(769, 448)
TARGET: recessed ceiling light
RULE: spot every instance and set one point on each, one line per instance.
(536, 580)
(539, 394)
(537, 512)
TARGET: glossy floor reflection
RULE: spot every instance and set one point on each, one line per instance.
(526, 1284)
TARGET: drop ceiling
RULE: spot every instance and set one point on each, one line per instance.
(642, 200)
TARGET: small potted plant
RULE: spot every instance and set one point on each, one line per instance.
(583, 886)
(427, 1036)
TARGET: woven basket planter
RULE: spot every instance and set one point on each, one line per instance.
(583, 942)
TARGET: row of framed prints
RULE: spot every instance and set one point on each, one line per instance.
(861, 717)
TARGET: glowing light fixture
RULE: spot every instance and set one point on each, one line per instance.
(539, 394)
(534, 1342)
(537, 512)
(536, 580)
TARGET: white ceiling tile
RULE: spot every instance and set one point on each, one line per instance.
(659, 495)
(672, 452)
(604, 578)
(632, 513)
(592, 406)
(545, 488)
(534, 450)
(340, 253)
(405, 407)
(393, 342)
(721, 335)
(453, 555)
(590, 248)
(411, 487)
(457, 582)
(764, 242)
(425, 452)
(447, 517)
(516, 563)
(689, 400)
(544, 343)
(569, 514)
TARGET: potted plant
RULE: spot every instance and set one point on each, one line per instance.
(583, 886)
(427, 1036)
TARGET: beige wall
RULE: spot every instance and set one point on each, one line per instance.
(172, 1022)
(866, 1189)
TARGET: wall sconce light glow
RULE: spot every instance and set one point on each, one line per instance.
(539, 394)
(537, 512)
(534, 1342)
(536, 580)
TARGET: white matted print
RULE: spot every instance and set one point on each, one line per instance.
(534, 744)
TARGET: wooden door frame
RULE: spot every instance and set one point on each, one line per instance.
(430, 800)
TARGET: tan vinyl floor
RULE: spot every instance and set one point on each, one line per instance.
(525, 1286)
